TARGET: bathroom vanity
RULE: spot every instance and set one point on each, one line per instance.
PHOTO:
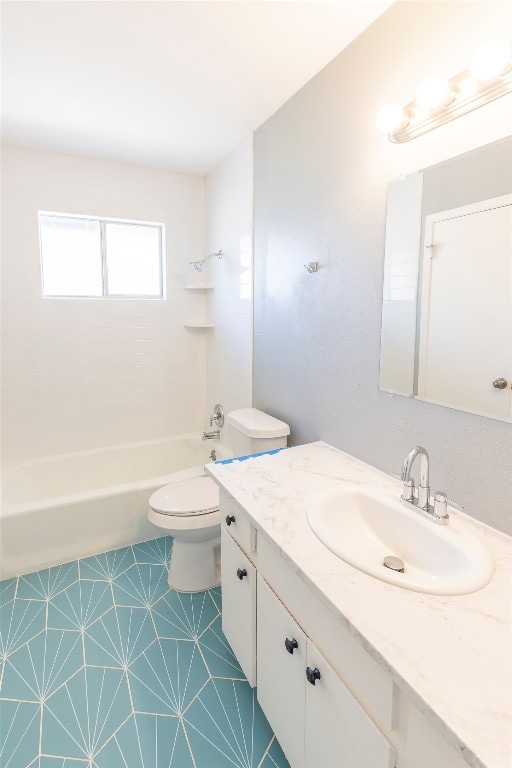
(350, 670)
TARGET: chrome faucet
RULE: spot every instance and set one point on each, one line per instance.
(421, 503)
(213, 435)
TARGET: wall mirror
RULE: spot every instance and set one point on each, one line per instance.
(447, 298)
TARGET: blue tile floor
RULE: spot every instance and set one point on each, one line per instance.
(103, 666)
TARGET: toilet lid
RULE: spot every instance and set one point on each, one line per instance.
(195, 496)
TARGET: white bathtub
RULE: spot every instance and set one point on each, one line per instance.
(65, 507)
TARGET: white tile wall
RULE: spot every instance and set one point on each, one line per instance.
(85, 373)
(229, 226)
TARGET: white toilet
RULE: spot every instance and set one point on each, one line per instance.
(188, 510)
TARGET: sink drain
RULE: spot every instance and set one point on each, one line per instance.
(394, 563)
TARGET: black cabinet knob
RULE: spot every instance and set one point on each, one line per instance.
(230, 519)
(241, 572)
(312, 675)
(290, 645)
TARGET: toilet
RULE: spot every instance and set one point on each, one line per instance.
(188, 509)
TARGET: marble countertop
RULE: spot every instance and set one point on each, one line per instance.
(450, 655)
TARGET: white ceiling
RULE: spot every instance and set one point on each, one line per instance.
(169, 84)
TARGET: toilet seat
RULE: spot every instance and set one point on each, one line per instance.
(193, 497)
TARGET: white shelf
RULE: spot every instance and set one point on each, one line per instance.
(198, 325)
(198, 287)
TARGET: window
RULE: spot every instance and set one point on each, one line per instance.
(93, 257)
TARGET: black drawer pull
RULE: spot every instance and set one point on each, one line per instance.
(290, 645)
(312, 675)
(241, 572)
(230, 519)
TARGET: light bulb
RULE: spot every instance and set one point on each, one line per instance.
(390, 118)
(491, 59)
(434, 92)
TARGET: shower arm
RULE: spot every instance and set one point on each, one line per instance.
(198, 265)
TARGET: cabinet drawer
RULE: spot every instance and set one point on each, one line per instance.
(240, 528)
(239, 604)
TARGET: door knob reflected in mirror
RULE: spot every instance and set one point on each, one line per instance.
(500, 383)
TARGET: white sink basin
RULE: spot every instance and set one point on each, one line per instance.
(362, 527)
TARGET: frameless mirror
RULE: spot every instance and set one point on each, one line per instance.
(447, 300)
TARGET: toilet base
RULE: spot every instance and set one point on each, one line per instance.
(195, 565)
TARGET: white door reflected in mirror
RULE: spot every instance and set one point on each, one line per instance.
(465, 333)
(447, 295)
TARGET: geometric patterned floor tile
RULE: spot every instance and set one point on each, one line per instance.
(147, 741)
(19, 744)
(83, 713)
(108, 565)
(131, 674)
(20, 621)
(118, 637)
(79, 605)
(7, 590)
(154, 552)
(141, 585)
(225, 726)
(166, 677)
(39, 667)
(45, 584)
(216, 595)
(60, 762)
(275, 757)
(217, 653)
(183, 616)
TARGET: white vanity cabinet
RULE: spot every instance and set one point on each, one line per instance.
(354, 716)
(316, 719)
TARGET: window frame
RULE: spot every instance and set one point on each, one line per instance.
(103, 220)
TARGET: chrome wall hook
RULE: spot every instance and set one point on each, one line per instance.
(311, 266)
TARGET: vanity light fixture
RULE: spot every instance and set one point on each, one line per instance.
(439, 100)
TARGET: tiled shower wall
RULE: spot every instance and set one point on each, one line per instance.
(85, 373)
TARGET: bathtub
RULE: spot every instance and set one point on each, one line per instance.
(60, 508)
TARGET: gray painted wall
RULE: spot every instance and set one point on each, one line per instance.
(320, 194)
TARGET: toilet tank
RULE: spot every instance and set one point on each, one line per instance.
(252, 431)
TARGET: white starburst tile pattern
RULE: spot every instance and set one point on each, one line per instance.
(103, 666)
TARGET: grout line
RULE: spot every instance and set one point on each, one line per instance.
(183, 725)
(266, 751)
(112, 736)
(41, 730)
(197, 695)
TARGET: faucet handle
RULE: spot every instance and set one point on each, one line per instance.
(217, 416)
(408, 490)
(440, 504)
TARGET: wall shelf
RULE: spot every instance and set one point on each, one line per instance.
(198, 325)
(198, 287)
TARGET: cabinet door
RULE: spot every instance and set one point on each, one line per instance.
(339, 733)
(239, 604)
(281, 692)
